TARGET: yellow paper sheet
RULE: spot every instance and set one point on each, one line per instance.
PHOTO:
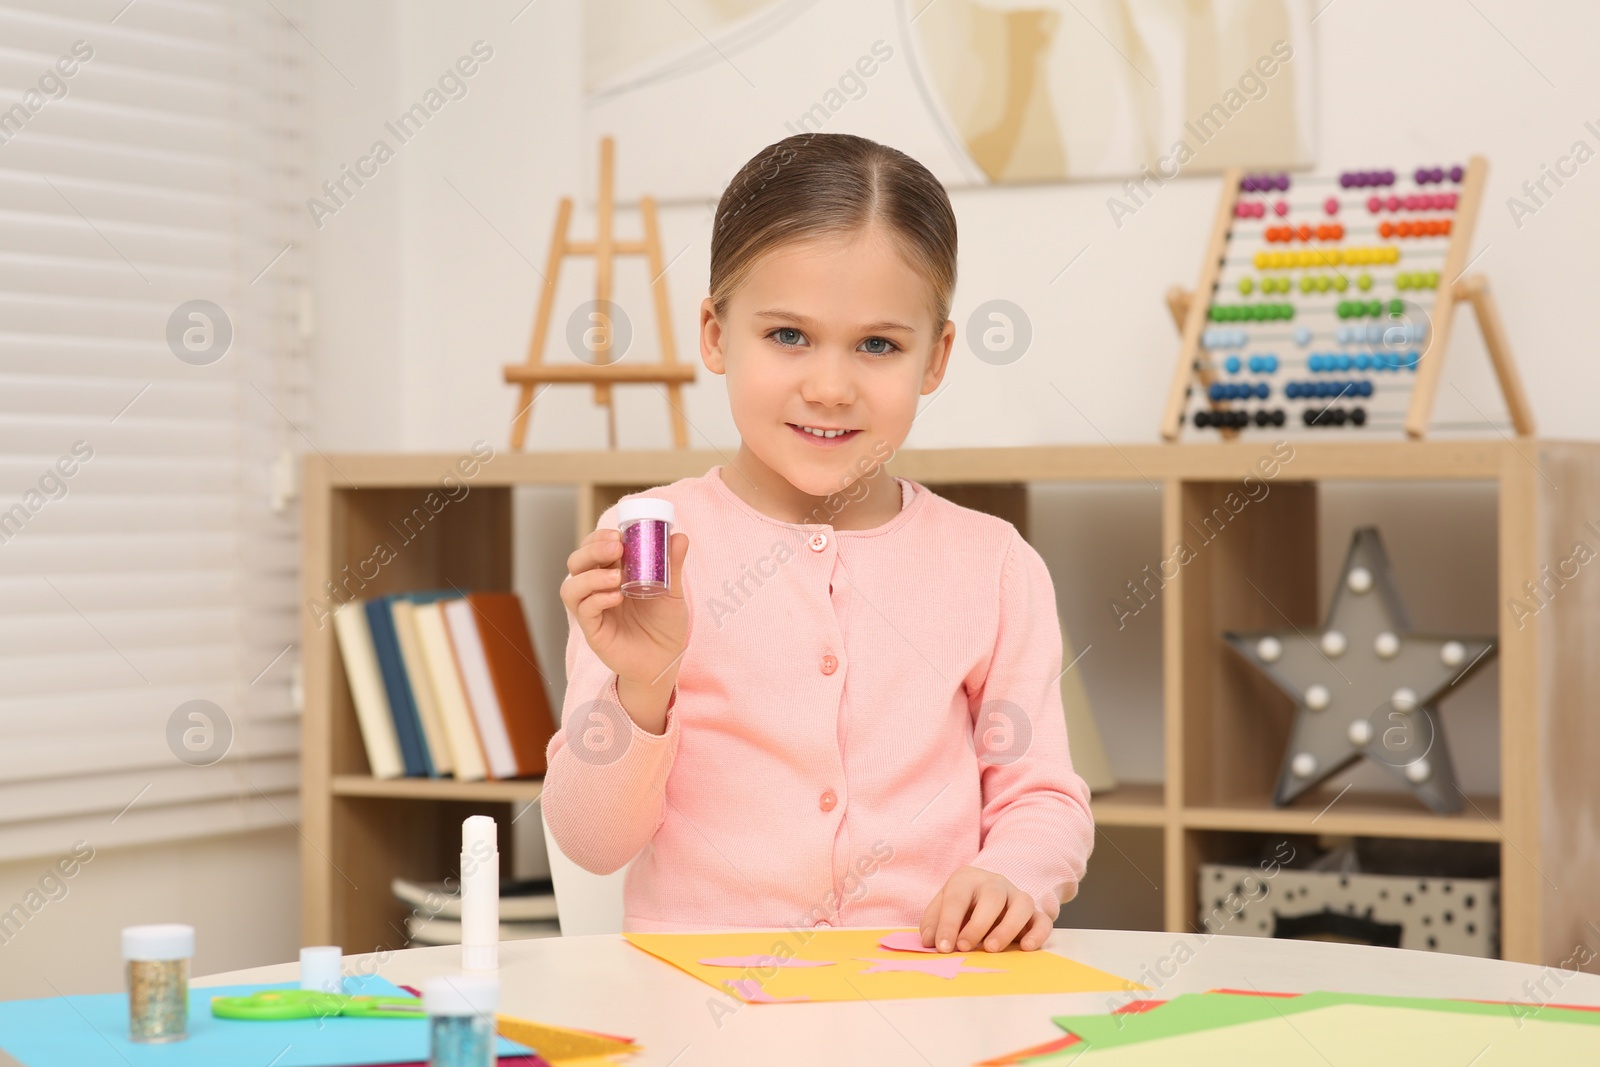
(559, 1045)
(853, 952)
(1365, 1035)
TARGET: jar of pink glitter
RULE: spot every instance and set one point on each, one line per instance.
(646, 525)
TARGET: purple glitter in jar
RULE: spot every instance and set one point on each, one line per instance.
(646, 524)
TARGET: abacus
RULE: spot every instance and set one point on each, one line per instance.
(1327, 298)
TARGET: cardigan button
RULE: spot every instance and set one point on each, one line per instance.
(818, 542)
(829, 664)
(828, 800)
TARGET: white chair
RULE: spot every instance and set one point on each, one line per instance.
(589, 903)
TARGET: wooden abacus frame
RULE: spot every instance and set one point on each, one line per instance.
(1455, 287)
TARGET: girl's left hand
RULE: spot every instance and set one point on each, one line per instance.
(1000, 914)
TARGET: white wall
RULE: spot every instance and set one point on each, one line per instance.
(426, 282)
(241, 893)
(1427, 80)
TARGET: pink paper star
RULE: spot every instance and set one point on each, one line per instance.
(942, 967)
(751, 990)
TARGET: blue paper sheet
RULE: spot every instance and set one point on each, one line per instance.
(91, 1031)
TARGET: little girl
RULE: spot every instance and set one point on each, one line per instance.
(847, 712)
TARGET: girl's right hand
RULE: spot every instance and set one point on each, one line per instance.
(641, 640)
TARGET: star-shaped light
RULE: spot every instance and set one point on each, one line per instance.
(1365, 684)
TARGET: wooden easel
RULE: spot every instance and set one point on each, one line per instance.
(604, 372)
(1190, 315)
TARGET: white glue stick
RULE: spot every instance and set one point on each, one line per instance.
(480, 895)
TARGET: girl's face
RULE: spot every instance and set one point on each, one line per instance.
(826, 347)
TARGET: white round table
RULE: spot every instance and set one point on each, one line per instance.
(603, 983)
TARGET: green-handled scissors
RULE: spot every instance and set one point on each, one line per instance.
(314, 1004)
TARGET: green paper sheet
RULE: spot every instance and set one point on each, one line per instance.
(1367, 1035)
(1195, 1012)
(1186, 1013)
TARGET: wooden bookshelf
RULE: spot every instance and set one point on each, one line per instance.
(1224, 734)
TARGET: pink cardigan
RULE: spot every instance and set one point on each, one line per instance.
(818, 765)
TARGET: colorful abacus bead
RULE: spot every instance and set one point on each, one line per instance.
(1363, 179)
(1215, 337)
(1333, 416)
(1264, 183)
(1331, 205)
(1263, 364)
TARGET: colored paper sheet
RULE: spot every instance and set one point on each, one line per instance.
(749, 990)
(941, 966)
(855, 953)
(761, 962)
(561, 1045)
(1183, 1014)
(1196, 1012)
(1365, 1034)
(92, 1031)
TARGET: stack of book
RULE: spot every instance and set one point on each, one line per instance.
(445, 685)
(527, 909)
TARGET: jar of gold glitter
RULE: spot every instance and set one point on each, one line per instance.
(158, 980)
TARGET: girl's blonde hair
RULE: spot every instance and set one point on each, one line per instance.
(816, 185)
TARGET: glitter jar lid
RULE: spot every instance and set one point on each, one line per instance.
(645, 507)
(160, 941)
(461, 994)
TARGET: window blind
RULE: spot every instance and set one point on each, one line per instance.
(150, 158)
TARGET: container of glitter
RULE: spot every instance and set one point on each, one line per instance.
(158, 980)
(646, 525)
(461, 1016)
(320, 968)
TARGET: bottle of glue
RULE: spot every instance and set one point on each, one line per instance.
(480, 895)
